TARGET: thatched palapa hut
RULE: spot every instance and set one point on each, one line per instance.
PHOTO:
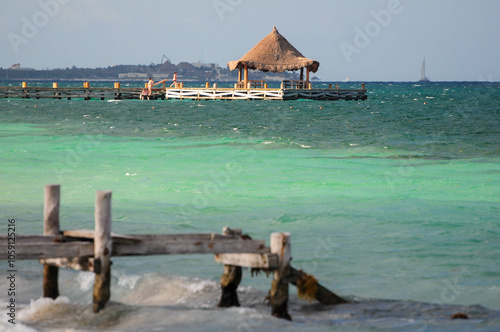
(274, 53)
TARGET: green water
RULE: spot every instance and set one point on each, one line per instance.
(396, 197)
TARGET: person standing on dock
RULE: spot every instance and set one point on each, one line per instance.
(174, 80)
(150, 87)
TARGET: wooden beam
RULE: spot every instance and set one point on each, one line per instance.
(51, 227)
(89, 234)
(190, 247)
(160, 82)
(39, 246)
(103, 246)
(84, 263)
(231, 277)
(262, 261)
(278, 295)
(245, 77)
(229, 282)
(323, 295)
(46, 249)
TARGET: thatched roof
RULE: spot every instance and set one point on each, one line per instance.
(274, 53)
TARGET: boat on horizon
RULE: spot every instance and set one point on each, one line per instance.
(423, 78)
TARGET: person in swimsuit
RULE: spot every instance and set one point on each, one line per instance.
(150, 86)
(174, 80)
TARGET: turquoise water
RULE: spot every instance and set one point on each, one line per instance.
(392, 203)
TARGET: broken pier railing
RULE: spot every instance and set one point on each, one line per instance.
(91, 250)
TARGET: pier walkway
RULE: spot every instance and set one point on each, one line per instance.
(118, 92)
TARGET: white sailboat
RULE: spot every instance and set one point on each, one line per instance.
(423, 78)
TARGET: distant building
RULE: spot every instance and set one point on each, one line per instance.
(167, 67)
(133, 75)
(15, 66)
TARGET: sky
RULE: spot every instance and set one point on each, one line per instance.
(365, 40)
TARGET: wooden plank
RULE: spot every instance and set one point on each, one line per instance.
(75, 263)
(38, 246)
(262, 261)
(103, 246)
(281, 246)
(231, 278)
(134, 238)
(180, 237)
(51, 227)
(323, 295)
(28, 239)
(36, 250)
(190, 247)
(89, 234)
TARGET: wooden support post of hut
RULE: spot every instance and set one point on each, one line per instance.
(51, 227)
(278, 295)
(231, 278)
(102, 250)
(245, 77)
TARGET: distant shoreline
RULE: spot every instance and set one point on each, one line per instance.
(216, 81)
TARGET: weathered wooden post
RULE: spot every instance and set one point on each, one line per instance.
(278, 295)
(245, 77)
(231, 278)
(102, 250)
(51, 227)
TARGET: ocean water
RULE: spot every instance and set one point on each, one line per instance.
(392, 203)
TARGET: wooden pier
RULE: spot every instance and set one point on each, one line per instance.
(288, 91)
(216, 93)
(86, 92)
(91, 250)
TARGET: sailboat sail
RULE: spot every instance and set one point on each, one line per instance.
(422, 73)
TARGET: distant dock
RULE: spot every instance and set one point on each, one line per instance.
(289, 90)
(86, 92)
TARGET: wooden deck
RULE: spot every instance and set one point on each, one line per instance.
(257, 90)
(264, 94)
(77, 93)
